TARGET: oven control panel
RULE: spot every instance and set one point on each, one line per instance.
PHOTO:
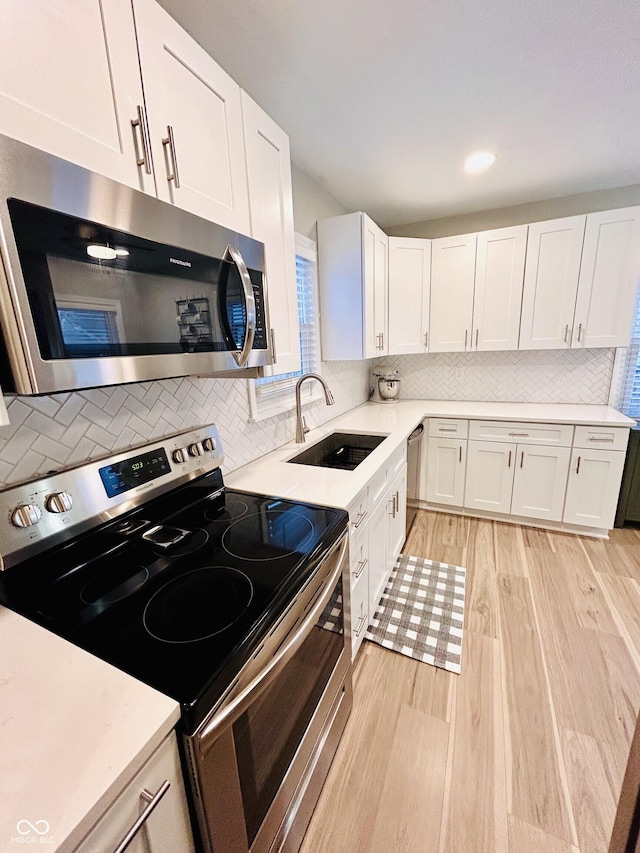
(38, 514)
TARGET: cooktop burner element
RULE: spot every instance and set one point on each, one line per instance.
(268, 535)
(198, 604)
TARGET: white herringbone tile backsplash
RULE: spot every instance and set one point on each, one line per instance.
(540, 376)
(62, 430)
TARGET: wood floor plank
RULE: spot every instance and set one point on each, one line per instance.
(537, 794)
(593, 803)
(524, 838)
(410, 807)
(481, 605)
(624, 595)
(594, 683)
(619, 555)
(476, 799)
(587, 600)
(439, 536)
(509, 549)
(431, 688)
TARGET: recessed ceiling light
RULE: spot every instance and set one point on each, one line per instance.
(101, 252)
(479, 161)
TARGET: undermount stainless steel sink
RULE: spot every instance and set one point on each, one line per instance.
(343, 450)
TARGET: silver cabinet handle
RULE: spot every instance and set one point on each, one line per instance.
(392, 511)
(477, 330)
(249, 301)
(360, 518)
(152, 801)
(466, 336)
(509, 462)
(361, 623)
(381, 340)
(170, 141)
(578, 466)
(362, 564)
(566, 333)
(520, 434)
(274, 354)
(426, 339)
(591, 438)
(460, 454)
(522, 459)
(579, 331)
(143, 159)
(447, 429)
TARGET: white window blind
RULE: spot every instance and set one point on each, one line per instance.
(271, 394)
(630, 391)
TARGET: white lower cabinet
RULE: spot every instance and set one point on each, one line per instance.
(540, 482)
(167, 828)
(594, 486)
(446, 463)
(377, 526)
(489, 480)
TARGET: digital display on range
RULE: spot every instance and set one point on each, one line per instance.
(133, 472)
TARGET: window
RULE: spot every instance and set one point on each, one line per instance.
(89, 320)
(274, 394)
(629, 397)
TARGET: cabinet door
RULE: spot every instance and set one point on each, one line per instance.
(70, 83)
(498, 288)
(453, 261)
(375, 246)
(609, 276)
(593, 488)
(446, 463)
(552, 266)
(540, 482)
(271, 209)
(490, 469)
(378, 549)
(195, 122)
(397, 520)
(167, 829)
(409, 288)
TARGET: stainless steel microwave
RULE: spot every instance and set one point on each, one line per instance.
(101, 284)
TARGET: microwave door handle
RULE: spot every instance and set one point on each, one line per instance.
(250, 305)
(228, 714)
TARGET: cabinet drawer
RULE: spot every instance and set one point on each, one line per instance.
(359, 512)
(448, 428)
(559, 435)
(605, 438)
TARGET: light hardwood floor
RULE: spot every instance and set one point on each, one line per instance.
(525, 750)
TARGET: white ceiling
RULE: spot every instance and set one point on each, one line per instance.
(384, 99)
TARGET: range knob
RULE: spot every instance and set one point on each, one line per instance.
(26, 515)
(209, 443)
(196, 449)
(58, 502)
(180, 455)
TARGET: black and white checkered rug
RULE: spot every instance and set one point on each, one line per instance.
(421, 612)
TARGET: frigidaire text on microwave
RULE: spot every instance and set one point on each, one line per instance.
(102, 284)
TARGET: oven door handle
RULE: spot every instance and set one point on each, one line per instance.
(228, 714)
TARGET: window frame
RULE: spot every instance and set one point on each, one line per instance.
(626, 370)
(280, 400)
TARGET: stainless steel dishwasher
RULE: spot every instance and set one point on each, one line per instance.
(414, 463)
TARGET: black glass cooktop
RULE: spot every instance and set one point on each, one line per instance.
(178, 592)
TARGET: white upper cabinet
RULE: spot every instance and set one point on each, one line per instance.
(352, 277)
(551, 282)
(271, 210)
(476, 290)
(498, 288)
(409, 294)
(608, 281)
(195, 122)
(453, 262)
(70, 84)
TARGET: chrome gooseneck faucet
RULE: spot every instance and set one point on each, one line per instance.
(301, 427)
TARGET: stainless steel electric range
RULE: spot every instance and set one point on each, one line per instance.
(235, 604)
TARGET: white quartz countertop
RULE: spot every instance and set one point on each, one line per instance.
(272, 474)
(73, 732)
